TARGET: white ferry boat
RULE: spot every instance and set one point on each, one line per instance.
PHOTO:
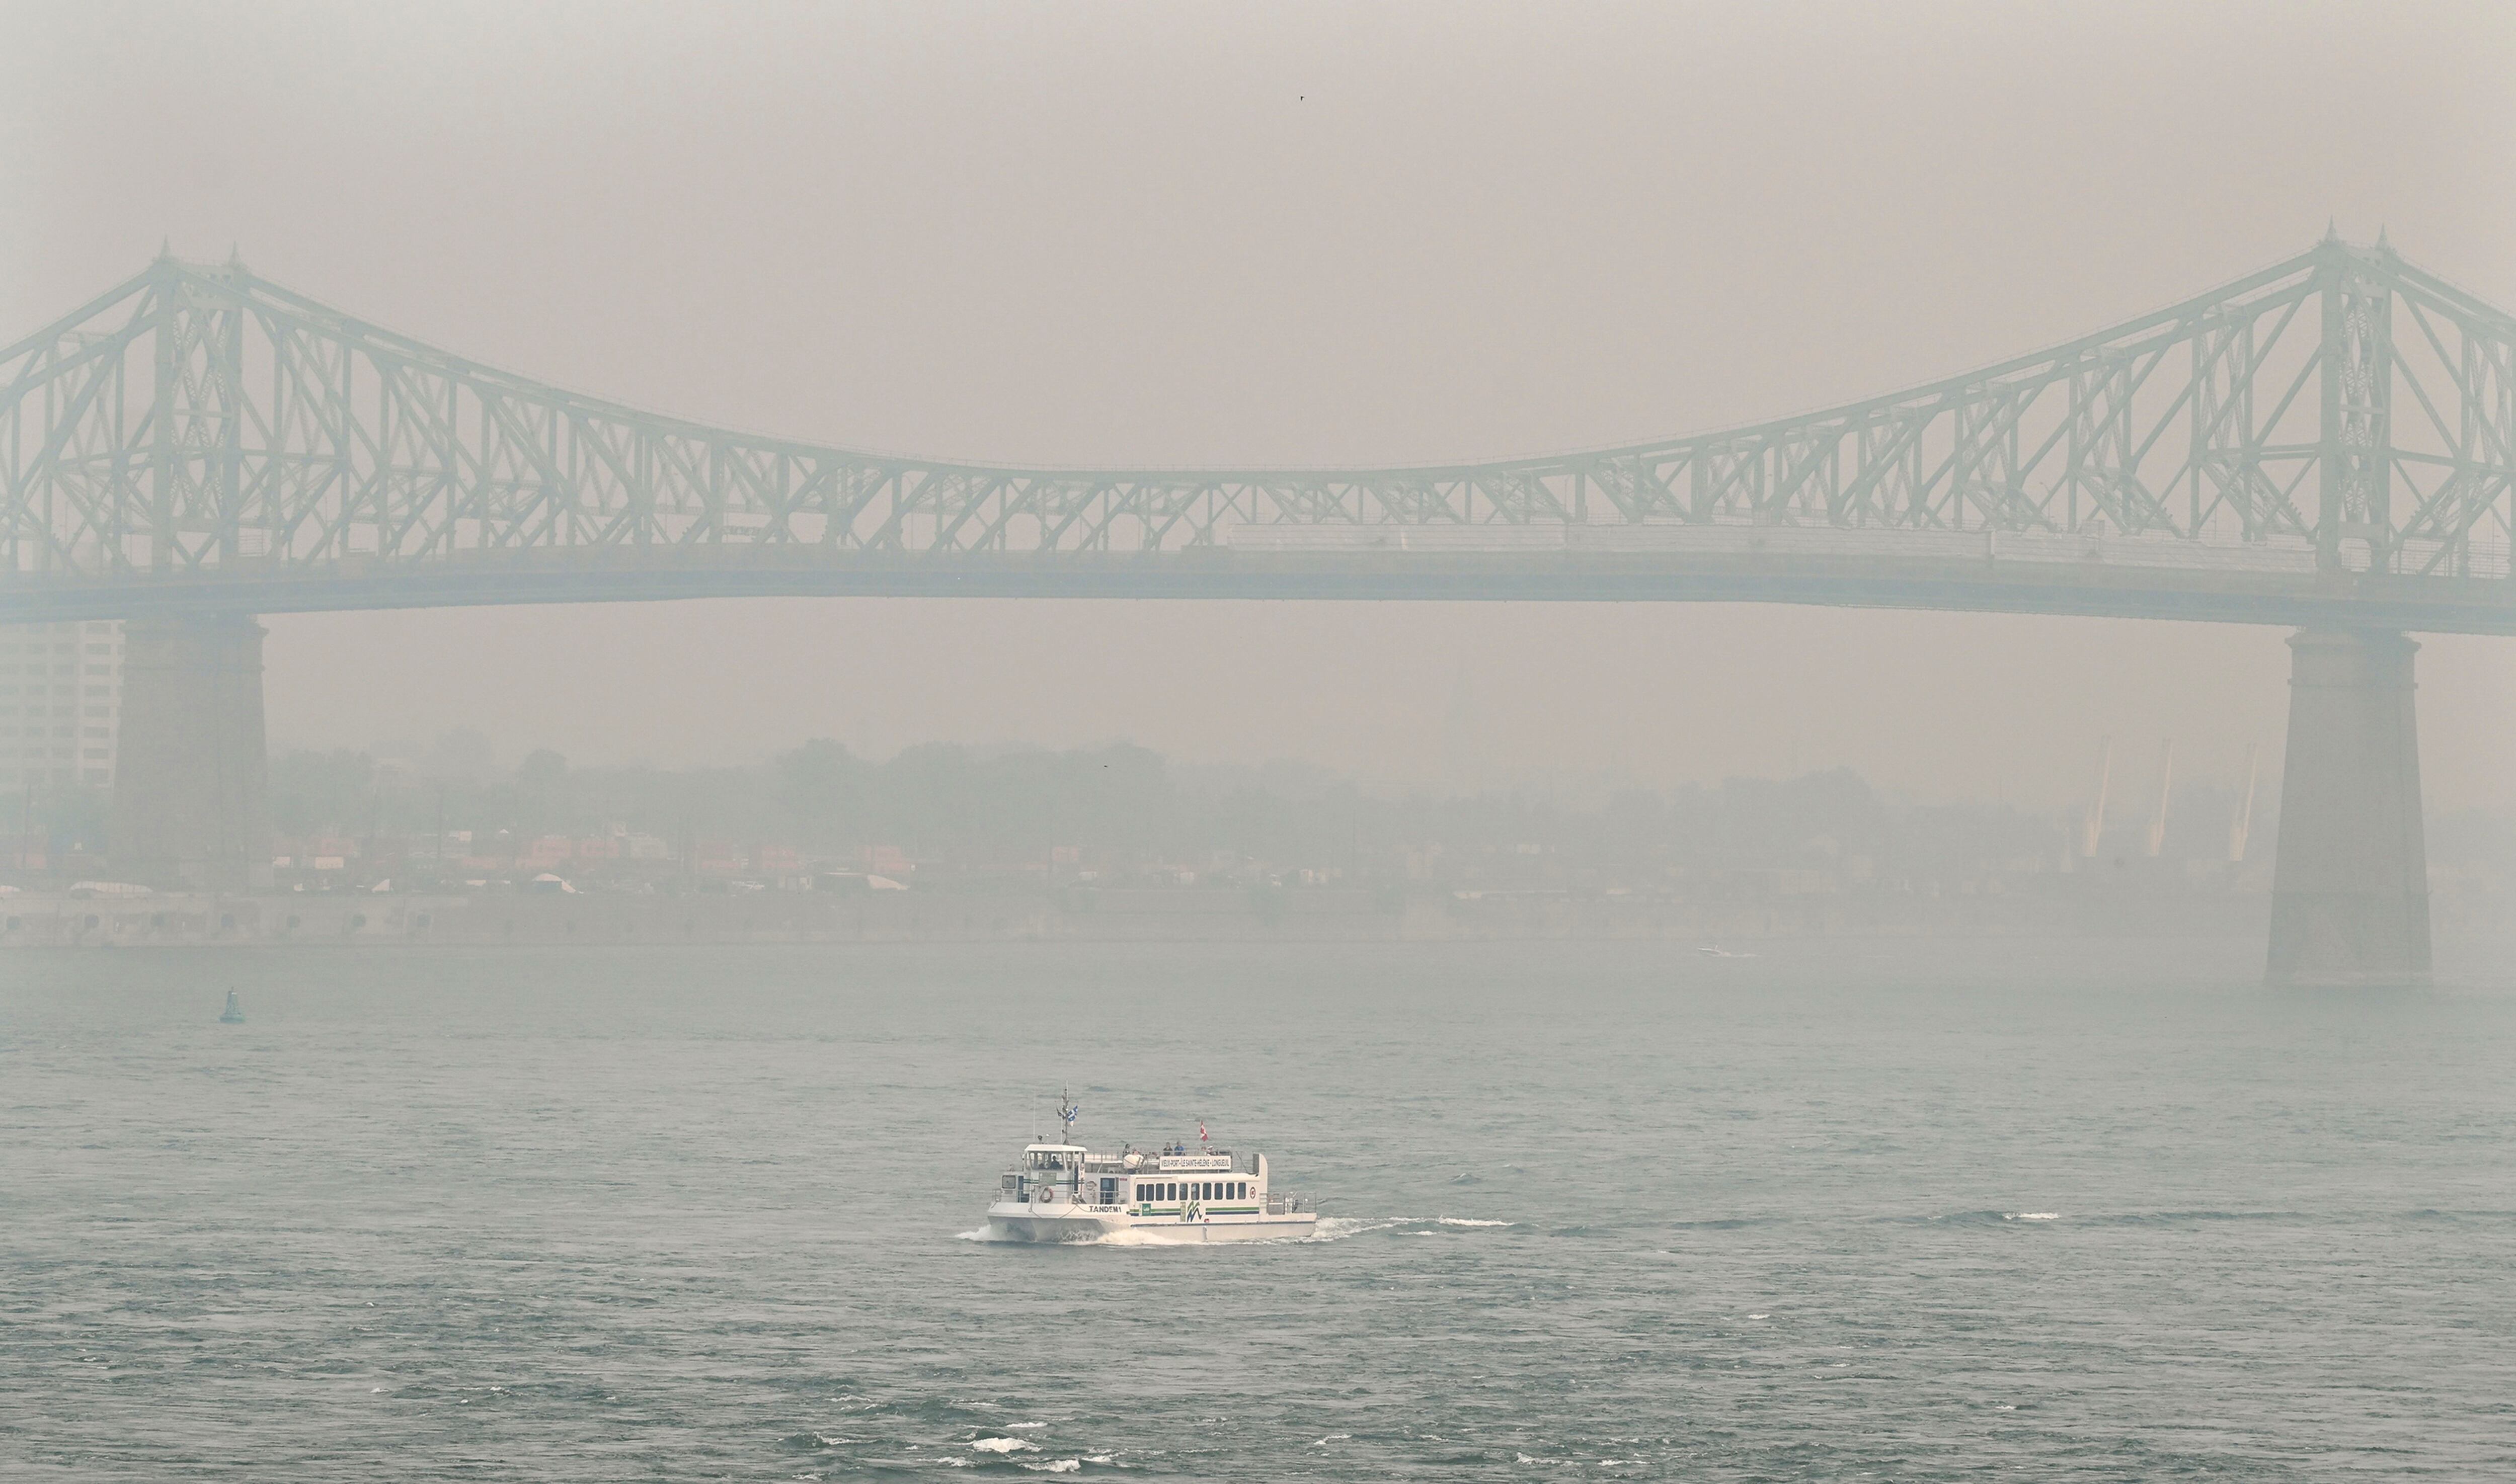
(1064, 1192)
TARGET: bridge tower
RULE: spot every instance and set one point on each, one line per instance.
(190, 781)
(2350, 890)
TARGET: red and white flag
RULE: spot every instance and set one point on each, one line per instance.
(1200, 1130)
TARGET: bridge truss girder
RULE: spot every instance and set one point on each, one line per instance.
(202, 420)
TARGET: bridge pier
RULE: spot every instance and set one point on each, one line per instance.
(191, 776)
(2350, 890)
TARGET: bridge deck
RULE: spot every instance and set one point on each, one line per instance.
(1986, 584)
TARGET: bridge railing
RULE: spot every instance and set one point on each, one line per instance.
(2290, 555)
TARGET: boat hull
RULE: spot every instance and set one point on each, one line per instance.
(1051, 1225)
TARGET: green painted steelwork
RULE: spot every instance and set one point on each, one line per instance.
(2331, 439)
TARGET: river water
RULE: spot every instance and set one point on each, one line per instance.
(1904, 1210)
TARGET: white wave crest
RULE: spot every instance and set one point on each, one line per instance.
(1005, 1445)
(1338, 1228)
(2030, 1216)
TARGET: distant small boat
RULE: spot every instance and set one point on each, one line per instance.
(1716, 951)
(234, 1014)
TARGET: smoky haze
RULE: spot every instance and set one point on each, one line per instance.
(1288, 235)
(1480, 1041)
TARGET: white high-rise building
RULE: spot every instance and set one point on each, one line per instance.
(61, 699)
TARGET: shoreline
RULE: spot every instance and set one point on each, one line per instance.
(30, 920)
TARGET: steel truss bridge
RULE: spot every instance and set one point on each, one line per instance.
(2330, 442)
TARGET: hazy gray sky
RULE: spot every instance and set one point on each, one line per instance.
(1273, 233)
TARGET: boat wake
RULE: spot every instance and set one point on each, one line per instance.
(1339, 1228)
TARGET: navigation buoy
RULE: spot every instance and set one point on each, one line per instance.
(234, 1014)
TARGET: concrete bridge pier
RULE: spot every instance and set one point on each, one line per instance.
(2350, 888)
(191, 776)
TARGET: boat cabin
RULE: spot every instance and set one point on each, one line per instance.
(1147, 1183)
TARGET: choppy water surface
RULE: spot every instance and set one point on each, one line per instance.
(1601, 1212)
